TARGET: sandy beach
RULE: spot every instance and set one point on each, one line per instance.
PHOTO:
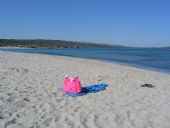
(29, 95)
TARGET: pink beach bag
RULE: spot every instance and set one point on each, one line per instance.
(72, 85)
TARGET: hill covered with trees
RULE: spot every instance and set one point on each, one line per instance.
(40, 43)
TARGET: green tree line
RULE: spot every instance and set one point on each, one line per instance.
(40, 43)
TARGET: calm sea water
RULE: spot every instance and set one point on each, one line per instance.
(148, 58)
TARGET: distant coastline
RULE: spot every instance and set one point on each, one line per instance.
(48, 43)
(41, 43)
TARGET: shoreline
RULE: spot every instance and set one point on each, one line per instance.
(132, 65)
(144, 67)
(30, 98)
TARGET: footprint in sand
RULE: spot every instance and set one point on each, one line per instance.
(47, 121)
(101, 78)
(11, 122)
(22, 103)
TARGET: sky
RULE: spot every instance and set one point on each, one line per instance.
(143, 23)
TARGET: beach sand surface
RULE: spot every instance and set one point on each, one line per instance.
(29, 95)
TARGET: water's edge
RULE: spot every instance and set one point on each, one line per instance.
(98, 59)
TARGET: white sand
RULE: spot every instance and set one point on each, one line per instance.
(29, 97)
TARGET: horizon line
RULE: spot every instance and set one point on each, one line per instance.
(85, 42)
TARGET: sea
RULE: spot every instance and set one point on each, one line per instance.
(146, 58)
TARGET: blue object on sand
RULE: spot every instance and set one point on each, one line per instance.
(89, 89)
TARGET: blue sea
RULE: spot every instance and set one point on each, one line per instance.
(147, 58)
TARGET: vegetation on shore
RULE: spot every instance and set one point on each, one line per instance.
(40, 43)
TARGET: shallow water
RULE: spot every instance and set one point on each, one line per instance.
(148, 58)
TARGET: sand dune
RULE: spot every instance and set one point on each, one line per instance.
(29, 95)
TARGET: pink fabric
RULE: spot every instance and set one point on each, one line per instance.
(72, 85)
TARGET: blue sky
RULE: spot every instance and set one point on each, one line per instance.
(124, 22)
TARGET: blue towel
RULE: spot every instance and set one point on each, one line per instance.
(89, 89)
